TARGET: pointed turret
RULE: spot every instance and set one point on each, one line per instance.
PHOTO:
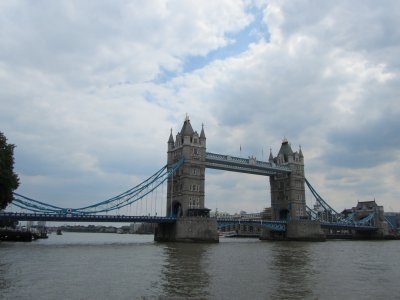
(271, 158)
(171, 138)
(171, 146)
(187, 129)
(300, 153)
(202, 134)
(285, 150)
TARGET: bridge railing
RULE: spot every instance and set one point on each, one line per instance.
(84, 218)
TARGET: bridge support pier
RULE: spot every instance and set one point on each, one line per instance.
(188, 229)
(297, 230)
(305, 230)
(380, 234)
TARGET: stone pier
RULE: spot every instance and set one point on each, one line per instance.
(297, 230)
(188, 229)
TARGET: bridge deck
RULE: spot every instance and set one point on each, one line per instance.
(84, 218)
(243, 165)
(275, 225)
(329, 225)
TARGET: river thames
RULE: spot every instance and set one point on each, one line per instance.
(114, 266)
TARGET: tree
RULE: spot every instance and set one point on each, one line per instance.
(9, 181)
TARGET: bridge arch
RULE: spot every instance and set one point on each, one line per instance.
(284, 214)
(177, 209)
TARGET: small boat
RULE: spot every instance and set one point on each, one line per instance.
(59, 232)
(228, 234)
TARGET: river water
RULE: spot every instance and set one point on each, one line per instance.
(113, 266)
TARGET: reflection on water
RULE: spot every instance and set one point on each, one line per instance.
(108, 266)
(184, 272)
(4, 282)
(292, 269)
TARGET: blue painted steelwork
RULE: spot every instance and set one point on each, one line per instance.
(126, 198)
(337, 220)
(274, 225)
(243, 165)
(367, 221)
(84, 218)
(356, 227)
(328, 212)
(328, 216)
(321, 201)
(34, 205)
(312, 213)
(391, 221)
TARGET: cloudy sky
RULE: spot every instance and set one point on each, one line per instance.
(89, 91)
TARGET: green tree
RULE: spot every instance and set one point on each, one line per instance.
(9, 181)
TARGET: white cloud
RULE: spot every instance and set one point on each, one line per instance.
(81, 99)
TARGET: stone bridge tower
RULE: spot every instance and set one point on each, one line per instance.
(288, 200)
(185, 195)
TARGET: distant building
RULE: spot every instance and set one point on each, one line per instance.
(244, 229)
(266, 214)
(363, 209)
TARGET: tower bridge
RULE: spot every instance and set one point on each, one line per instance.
(187, 217)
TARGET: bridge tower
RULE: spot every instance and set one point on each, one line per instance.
(185, 194)
(288, 199)
(287, 189)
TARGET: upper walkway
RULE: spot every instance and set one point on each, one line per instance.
(243, 165)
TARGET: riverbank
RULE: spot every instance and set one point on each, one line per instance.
(9, 235)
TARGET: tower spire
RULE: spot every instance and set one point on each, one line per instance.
(202, 134)
(271, 158)
(171, 138)
(187, 129)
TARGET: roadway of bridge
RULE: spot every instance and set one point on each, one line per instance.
(281, 225)
(84, 218)
(338, 225)
(274, 225)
